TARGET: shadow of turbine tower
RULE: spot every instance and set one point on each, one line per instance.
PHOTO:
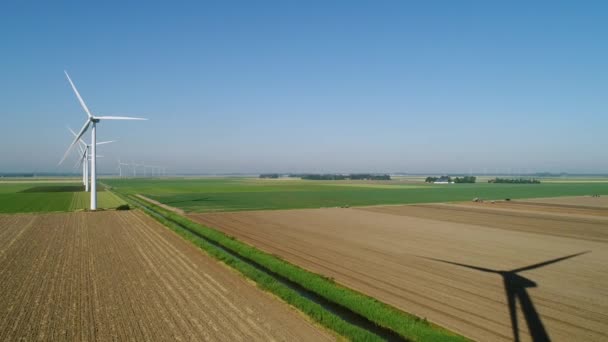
(515, 289)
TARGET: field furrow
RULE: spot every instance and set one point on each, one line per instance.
(121, 276)
(412, 257)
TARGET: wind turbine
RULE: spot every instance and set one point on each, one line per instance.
(134, 168)
(142, 165)
(120, 164)
(85, 157)
(91, 121)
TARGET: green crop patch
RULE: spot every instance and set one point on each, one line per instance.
(31, 197)
(54, 188)
(35, 202)
(236, 194)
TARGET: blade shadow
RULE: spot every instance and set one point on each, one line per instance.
(516, 289)
(548, 262)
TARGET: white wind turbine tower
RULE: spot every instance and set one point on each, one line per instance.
(120, 164)
(91, 121)
(83, 155)
(84, 158)
(136, 165)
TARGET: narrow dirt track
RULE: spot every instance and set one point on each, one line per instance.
(122, 276)
(164, 206)
(401, 255)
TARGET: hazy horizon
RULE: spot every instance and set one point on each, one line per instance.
(243, 87)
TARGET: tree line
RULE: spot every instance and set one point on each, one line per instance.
(269, 175)
(352, 176)
(515, 180)
(465, 179)
(331, 176)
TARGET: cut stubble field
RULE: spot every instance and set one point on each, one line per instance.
(122, 276)
(489, 272)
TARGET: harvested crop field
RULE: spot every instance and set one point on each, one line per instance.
(471, 268)
(122, 276)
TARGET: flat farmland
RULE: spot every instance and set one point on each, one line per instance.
(122, 276)
(574, 201)
(489, 273)
(200, 195)
(45, 196)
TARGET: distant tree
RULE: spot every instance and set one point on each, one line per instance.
(515, 180)
(354, 176)
(465, 179)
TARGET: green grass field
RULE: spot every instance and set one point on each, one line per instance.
(37, 196)
(234, 194)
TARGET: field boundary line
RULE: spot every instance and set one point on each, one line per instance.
(164, 206)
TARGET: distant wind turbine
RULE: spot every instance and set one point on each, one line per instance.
(91, 121)
(120, 164)
(85, 157)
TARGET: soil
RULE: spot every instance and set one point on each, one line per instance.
(101, 276)
(408, 256)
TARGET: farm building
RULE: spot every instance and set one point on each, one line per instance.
(443, 180)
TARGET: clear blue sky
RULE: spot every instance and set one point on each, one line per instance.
(310, 86)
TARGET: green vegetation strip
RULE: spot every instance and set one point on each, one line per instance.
(408, 326)
(264, 281)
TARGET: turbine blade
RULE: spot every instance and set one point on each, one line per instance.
(118, 118)
(105, 142)
(84, 144)
(82, 130)
(548, 262)
(81, 159)
(84, 106)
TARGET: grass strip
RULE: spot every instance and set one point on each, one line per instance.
(264, 281)
(406, 325)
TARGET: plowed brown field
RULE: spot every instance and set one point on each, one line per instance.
(122, 276)
(465, 267)
(573, 201)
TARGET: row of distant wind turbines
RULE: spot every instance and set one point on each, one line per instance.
(89, 151)
(151, 170)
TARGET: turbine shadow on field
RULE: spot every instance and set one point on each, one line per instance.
(515, 288)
